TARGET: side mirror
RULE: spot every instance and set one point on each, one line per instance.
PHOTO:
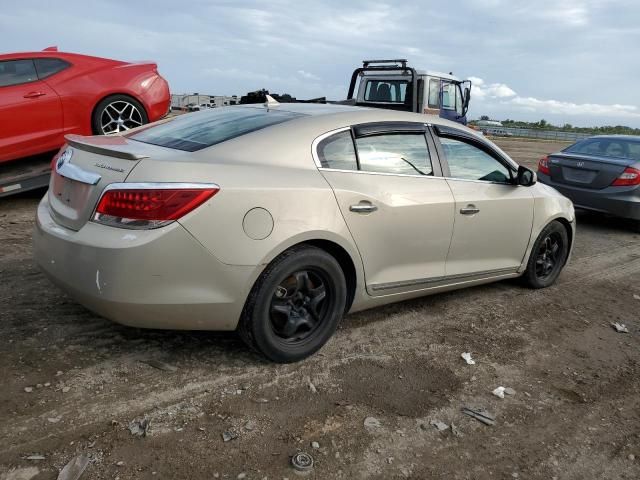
(526, 177)
(467, 97)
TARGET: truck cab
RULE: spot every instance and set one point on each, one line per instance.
(394, 85)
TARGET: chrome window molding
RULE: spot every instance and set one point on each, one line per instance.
(365, 172)
(316, 142)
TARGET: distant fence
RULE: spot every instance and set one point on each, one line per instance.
(558, 135)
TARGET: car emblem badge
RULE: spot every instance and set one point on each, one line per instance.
(65, 157)
(580, 164)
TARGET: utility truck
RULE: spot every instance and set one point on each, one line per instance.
(394, 85)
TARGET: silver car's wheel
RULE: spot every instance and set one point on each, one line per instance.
(117, 114)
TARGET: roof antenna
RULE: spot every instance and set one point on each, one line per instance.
(271, 102)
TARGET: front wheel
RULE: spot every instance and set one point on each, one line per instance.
(295, 306)
(116, 114)
(548, 256)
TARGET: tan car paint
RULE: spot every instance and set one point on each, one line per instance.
(161, 278)
(497, 236)
(197, 273)
(419, 207)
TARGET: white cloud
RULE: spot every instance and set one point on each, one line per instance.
(479, 89)
(501, 95)
(559, 107)
(308, 75)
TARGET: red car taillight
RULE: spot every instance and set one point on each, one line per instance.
(543, 166)
(630, 176)
(152, 206)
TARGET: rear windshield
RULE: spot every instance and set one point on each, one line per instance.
(196, 131)
(607, 147)
(390, 91)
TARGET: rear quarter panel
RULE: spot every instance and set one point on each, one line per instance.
(88, 81)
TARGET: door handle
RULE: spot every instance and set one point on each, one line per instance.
(34, 94)
(469, 210)
(363, 208)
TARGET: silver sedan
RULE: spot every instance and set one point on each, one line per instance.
(600, 173)
(277, 220)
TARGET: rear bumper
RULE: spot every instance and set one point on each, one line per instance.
(159, 278)
(619, 201)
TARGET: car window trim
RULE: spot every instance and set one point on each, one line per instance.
(370, 129)
(462, 136)
(37, 79)
(423, 127)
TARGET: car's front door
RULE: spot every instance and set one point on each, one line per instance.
(493, 215)
(30, 111)
(396, 204)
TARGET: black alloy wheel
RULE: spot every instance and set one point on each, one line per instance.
(295, 305)
(548, 256)
(299, 305)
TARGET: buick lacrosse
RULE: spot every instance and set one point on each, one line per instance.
(276, 220)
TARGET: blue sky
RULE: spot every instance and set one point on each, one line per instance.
(573, 61)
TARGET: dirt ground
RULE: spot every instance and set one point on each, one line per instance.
(575, 413)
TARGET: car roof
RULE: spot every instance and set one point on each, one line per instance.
(313, 120)
(55, 54)
(631, 138)
(335, 114)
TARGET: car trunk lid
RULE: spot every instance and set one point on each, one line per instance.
(85, 167)
(586, 171)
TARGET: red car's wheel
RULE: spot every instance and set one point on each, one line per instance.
(118, 113)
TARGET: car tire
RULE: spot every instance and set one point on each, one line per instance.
(116, 114)
(295, 305)
(548, 256)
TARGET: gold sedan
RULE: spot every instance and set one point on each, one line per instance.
(277, 220)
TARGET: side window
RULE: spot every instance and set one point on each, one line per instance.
(15, 72)
(470, 163)
(337, 152)
(49, 66)
(448, 96)
(434, 93)
(405, 154)
(458, 99)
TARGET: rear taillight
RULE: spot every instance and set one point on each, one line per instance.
(543, 166)
(630, 176)
(140, 205)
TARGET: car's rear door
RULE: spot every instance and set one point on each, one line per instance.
(493, 215)
(30, 110)
(390, 191)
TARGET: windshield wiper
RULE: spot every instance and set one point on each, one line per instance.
(413, 166)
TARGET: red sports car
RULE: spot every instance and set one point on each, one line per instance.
(46, 95)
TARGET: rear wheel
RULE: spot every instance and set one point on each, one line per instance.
(118, 113)
(295, 306)
(548, 256)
